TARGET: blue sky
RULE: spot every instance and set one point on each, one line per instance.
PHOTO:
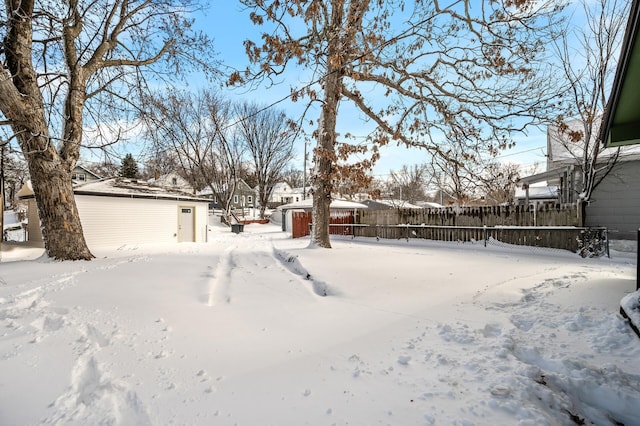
(230, 26)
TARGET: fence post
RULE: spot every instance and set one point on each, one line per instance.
(484, 234)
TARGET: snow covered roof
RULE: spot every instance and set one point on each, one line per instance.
(562, 150)
(538, 192)
(335, 204)
(424, 204)
(281, 187)
(122, 187)
(398, 203)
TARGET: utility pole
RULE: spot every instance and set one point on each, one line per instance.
(304, 171)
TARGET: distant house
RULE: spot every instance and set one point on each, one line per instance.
(244, 196)
(172, 181)
(118, 211)
(82, 175)
(283, 194)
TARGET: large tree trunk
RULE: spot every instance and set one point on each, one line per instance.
(50, 177)
(326, 138)
(62, 229)
(22, 103)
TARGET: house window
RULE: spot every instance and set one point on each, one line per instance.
(174, 181)
(235, 199)
(243, 200)
(79, 176)
(249, 199)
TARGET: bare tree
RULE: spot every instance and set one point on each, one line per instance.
(13, 173)
(198, 128)
(424, 74)
(104, 169)
(454, 175)
(66, 61)
(293, 177)
(409, 183)
(588, 57)
(162, 162)
(498, 182)
(268, 136)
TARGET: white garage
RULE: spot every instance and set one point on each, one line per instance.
(119, 211)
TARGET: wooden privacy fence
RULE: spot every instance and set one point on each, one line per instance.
(549, 225)
(585, 241)
(548, 214)
(341, 222)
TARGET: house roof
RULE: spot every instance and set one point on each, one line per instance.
(424, 204)
(622, 117)
(544, 176)
(391, 203)
(335, 204)
(281, 186)
(562, 150)
(538, 192)
(87, 171)
(122, 187)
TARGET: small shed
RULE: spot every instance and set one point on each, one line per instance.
(117, 211)
(338, 208)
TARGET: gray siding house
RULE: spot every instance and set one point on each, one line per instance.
(614, 203)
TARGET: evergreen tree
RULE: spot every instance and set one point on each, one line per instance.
(129, 167)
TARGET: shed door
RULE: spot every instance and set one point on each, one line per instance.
(186, 224)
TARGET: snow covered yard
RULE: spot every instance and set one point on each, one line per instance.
(257, 329)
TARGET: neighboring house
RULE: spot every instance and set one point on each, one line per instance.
(172, 181)
(614, 203)
(298, 194)
(214, 203)
(82, 175)
(282, 194)
(621, 126)
(619, 196)
(563, 177)
(244, 196)
(118, 211)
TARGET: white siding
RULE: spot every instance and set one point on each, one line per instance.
(202, 221)
(34, 234)
(109, 221)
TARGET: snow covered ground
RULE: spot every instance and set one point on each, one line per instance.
(259, 329)
(12, 226)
